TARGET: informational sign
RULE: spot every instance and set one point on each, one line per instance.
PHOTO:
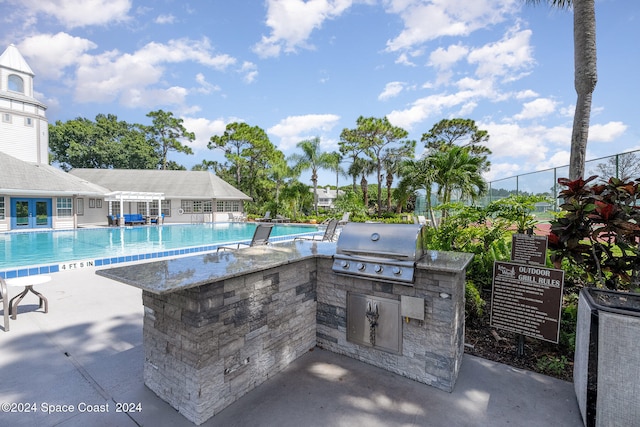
(529, 249)
(527, 300)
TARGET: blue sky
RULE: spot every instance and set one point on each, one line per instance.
(303, 69)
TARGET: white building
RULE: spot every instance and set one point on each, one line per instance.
(327, 197)
(34, 194)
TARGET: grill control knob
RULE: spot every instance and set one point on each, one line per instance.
(396, 270)
(361, 266)
(344, 264)
(378, 268)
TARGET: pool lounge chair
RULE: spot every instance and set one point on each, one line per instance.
(329, 233)
(260, 238)
(266, 217)
(280, 218)
(345, 218)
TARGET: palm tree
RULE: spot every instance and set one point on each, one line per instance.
(392, 161)
(311, 158)
(363, 167)
(278, 173)
(336, 159)
(457, 169)
(420, 174)
(585, 75)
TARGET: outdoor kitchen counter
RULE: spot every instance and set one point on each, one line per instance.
(162, 277)
(217, 325)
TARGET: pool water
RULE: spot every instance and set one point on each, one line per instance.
(21, 252)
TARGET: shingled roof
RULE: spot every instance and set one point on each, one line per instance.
(18, 177)
(175, 184)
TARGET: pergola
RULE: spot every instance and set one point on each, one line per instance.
(133, 196)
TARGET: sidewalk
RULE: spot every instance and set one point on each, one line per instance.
(86, 354)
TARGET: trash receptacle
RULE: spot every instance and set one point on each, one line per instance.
(606, 372)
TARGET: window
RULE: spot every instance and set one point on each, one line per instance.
(196, 206)
(166, 207)
(64, 207)
(228, 206)
(80, 206)
(16, 84)
(115, 208)
(2, 207)
(28, 121)
(6, 117)
(142, 208)
(186, 206)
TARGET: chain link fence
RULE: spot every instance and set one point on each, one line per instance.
(545, 182)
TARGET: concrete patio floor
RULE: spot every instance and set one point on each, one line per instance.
(87, 353)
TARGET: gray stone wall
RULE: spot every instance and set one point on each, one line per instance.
(207, 346)
(432, 349)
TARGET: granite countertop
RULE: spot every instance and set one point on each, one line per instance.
(452, 262)
(161, 277)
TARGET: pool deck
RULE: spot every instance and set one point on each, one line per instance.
(88, 350)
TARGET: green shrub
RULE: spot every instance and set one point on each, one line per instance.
(552, 365)
(473, 304)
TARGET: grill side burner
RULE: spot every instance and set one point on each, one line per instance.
(386, 252)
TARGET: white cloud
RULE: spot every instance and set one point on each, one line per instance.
(537, 108)
(204, 129)
(294, 129)
(446, 58)
(50, 54)
(81, 13)
(403, 59)
(151, 98)
(391, 90)
(165, 19)
(527, 93)
(293, 21)
(501, 170)
(528, 144)
(511, 54)
(559, 159)
(250, 71)
(607, 132)
(132, 78)
(425, 21)
(426, 107)
(205, 86)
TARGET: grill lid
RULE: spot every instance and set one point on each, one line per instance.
(402, 242)
(384, 252)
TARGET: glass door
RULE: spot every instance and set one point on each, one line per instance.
(31, 213)
(22, 213)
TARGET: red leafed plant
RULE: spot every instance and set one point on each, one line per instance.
(599, 230)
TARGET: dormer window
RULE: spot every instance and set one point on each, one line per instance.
(16, 84)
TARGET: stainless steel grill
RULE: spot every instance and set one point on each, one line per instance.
(386, 252)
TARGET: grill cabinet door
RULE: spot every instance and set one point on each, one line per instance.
(388, 331)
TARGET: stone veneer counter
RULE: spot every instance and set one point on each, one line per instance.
(218, 325)
(161, 277)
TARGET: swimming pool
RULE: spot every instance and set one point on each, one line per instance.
(28, 253)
